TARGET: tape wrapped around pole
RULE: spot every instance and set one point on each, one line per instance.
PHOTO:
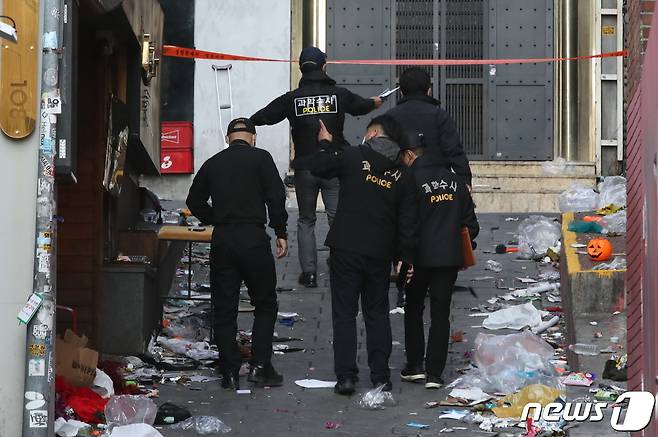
(187, 53)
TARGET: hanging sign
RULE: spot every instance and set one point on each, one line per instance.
(18, 70)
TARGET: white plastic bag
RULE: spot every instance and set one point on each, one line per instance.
(619, 263)
(506, 363)
(612, 191)
(536, 235)
(578, 198)
(556, 167)
(127, 410)
(376, 399)
(494, 266)
(615, 222)
(516, 317)
(203, 425)
(135, 430)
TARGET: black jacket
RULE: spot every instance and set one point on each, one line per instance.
(241, 180)
(377, 203)
(445, 207)
(317, 98)
(422, 113)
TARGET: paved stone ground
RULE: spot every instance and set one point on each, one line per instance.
(290, 410)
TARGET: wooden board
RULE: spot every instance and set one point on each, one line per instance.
(183, 233)
(18, 70)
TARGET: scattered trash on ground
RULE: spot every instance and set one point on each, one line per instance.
(516, 317)
(376, 399)
(494, 266)
(315, 383)
(203, 425)
(537, 234)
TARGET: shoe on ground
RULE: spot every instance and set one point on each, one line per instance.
(388, 386)
(433, 382)
(308, 280)
(230, 381)
(265, 376)
(345, 386)
(412, 373)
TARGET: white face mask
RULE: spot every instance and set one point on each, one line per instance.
(363, 141)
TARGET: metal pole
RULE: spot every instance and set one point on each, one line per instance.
(39, 399)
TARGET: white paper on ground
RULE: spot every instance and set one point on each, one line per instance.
(103, 385)
(470, 394)
(288, 315)
(315, 383)
(70, 428)
(527, 280)
(516, 317)
(135, 430)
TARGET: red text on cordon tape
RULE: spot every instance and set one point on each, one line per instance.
(182, 52)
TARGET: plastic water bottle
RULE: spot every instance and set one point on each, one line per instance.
(584, 349)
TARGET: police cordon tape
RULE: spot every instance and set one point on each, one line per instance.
(187, 53)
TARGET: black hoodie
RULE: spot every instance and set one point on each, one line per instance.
(422, 113)
(317, 98)
(377, 204)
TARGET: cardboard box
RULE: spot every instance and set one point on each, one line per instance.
(75, 362)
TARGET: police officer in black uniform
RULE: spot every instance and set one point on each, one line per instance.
(242, 181)
(445, 207)
(375, 223)
(418, 112)
(317, 98)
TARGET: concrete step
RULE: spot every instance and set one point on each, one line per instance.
(515, 201)
(529, 168)
(526, 182)
(516, 187)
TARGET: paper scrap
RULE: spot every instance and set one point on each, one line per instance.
(315, 383)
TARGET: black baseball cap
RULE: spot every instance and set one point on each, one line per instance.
(412, 140)
(312, 55)
(249, 126)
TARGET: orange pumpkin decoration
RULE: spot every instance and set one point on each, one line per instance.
(599, 249)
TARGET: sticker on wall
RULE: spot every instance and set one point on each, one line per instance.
(45, 313)
(35, 399)
(52, 103)
(62, 149)
(36, 367)
(40, 331)
(47, 168)
(39, 419)
(37, 350)
(44, 263)
(30, 308)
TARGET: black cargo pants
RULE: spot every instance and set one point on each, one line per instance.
(242, 252)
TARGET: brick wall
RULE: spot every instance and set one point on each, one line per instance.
(639, 14)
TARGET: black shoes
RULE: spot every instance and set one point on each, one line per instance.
(412, 373)
(388, 386)
(345, 386)
(433, 382)
(308, 280)
(265, 376)
(231, 381)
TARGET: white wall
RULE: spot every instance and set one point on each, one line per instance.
(18, 176)
(245, 27)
